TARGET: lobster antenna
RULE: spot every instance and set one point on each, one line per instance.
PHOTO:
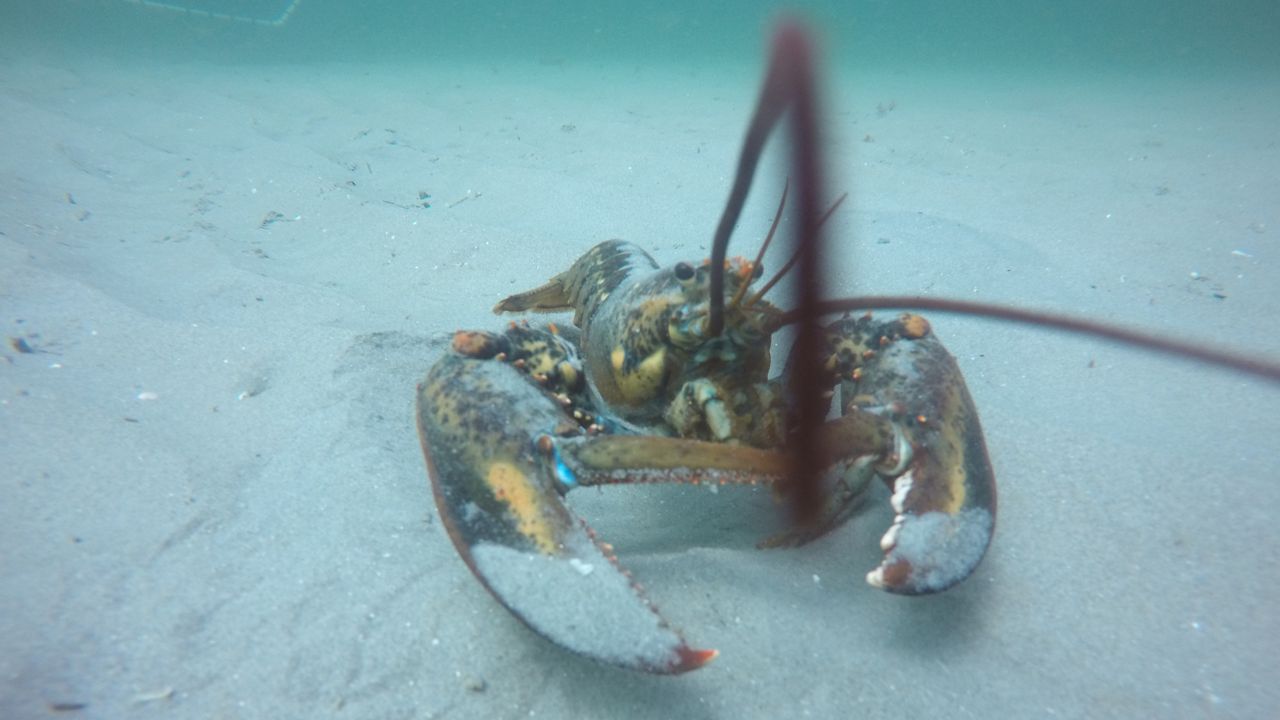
(793, 52)
(788, 84)
(1249, 365)
(795, 257)
(776, 95)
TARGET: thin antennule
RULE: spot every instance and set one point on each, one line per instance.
(794, 258)
(777, 219)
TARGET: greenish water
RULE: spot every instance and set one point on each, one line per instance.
(1188, 36)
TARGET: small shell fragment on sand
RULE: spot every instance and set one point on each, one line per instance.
(153, 696)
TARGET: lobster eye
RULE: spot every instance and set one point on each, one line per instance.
(758, 271)
(684, 271)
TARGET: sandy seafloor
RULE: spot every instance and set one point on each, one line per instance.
(213, 502)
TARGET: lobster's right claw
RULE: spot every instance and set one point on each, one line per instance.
(500, 499)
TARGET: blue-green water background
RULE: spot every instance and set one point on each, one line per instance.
(1191, 36)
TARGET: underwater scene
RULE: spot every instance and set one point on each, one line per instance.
(315, 312)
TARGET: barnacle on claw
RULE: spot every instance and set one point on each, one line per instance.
(914, 326)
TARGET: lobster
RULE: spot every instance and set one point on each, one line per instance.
(664, 376)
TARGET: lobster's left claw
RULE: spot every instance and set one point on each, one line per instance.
(500, 499)
(944, 490)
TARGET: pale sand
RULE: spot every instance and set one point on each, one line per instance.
(258, 538)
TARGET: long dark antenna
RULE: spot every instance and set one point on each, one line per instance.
(775, 96)
(792, 48)
(1249, 365)
(788, 84)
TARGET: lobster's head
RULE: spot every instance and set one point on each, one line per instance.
(741, 349)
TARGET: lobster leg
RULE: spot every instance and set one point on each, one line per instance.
(854, 449)
(499, 496)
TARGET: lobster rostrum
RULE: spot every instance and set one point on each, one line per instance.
(660, 379)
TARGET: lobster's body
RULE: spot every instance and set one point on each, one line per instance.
(638, 392)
